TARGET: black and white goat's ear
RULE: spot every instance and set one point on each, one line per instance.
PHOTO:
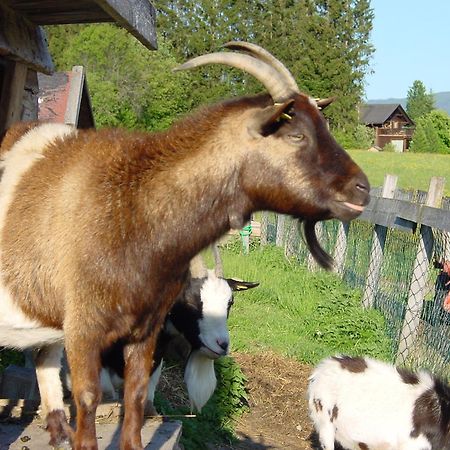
(269, 120)
(322, 103)
(240, 285)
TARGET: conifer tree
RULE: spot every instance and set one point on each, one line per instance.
(418, 102)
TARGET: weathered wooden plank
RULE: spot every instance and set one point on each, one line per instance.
(23, 41)
(377, 250)
(426, 215)
(402, 214)
(12, 93)
(136, 16)
(75, 93)
(55, 12)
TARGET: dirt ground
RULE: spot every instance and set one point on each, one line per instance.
(278, 417)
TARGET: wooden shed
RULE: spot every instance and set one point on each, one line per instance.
(390, 123)
(23, 46)
(64, 98)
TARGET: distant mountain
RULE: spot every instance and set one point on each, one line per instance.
(441, 101)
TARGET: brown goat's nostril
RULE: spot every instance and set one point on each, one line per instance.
(362, 187)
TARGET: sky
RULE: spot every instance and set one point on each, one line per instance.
(412, 42)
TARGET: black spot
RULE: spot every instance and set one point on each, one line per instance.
(407, 376)
(334, 413)
(318, 404)
(354, 365)
(427, 419)
(363, 446)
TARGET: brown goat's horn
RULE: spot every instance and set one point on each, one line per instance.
(264, 55)
(267, 75)
(218, 264)
(197, 267)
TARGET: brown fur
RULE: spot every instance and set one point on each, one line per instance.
(352, 364)
(100, 232)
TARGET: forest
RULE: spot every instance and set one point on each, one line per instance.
(325, 44)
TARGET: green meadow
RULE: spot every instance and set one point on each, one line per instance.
(414, 170)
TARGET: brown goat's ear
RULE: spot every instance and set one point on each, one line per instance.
(239, 285)
(270, 119)
(322, 103)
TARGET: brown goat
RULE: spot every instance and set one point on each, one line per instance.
(98, 227)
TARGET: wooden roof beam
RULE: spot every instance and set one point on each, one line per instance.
(136, 16)
(23, 41)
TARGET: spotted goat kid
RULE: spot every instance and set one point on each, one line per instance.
(365, 404)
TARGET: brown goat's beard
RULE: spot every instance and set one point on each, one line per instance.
(319, 254)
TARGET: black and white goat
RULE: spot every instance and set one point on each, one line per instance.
(365, 404)
(199, 316)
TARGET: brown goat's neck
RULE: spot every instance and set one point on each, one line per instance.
(196, 196)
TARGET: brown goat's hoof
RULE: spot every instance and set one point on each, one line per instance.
(61, 433)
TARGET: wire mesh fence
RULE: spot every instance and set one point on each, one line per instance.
(403, 274)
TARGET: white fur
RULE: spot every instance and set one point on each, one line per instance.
(154, 380)
(374, 406)
(215, 296)
(16, 329)
(48, 366)
(200, 379)
(109, 384)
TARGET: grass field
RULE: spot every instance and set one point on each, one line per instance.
(304, 315)
(414, 170)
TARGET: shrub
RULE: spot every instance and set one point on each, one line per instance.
(361, 137)
(432, 134)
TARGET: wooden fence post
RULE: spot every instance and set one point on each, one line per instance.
(311, 262)
(340, 250)
(420, 276)
(279, 240)
(377, 250)
(264, 227)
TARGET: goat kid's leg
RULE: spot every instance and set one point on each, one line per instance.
(138, 364)
(48, 367)
(84, 361)
(149, 409)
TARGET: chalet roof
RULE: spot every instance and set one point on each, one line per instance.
(64, 98)
(379, 113)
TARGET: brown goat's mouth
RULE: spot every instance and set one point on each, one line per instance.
(346, 211)
(354, 207)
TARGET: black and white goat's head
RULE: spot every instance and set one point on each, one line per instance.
(200, 315)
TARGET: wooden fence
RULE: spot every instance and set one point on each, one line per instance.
(418, 222)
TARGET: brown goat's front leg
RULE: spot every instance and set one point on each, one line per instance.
(84, 361)
(138, 364)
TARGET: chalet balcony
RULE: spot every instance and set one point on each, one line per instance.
(403, 132)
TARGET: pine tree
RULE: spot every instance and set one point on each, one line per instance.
(418, 102)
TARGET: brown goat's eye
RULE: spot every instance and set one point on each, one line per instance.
(297, 137)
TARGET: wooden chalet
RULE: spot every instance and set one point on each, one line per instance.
(390, 123)
(23, 46)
